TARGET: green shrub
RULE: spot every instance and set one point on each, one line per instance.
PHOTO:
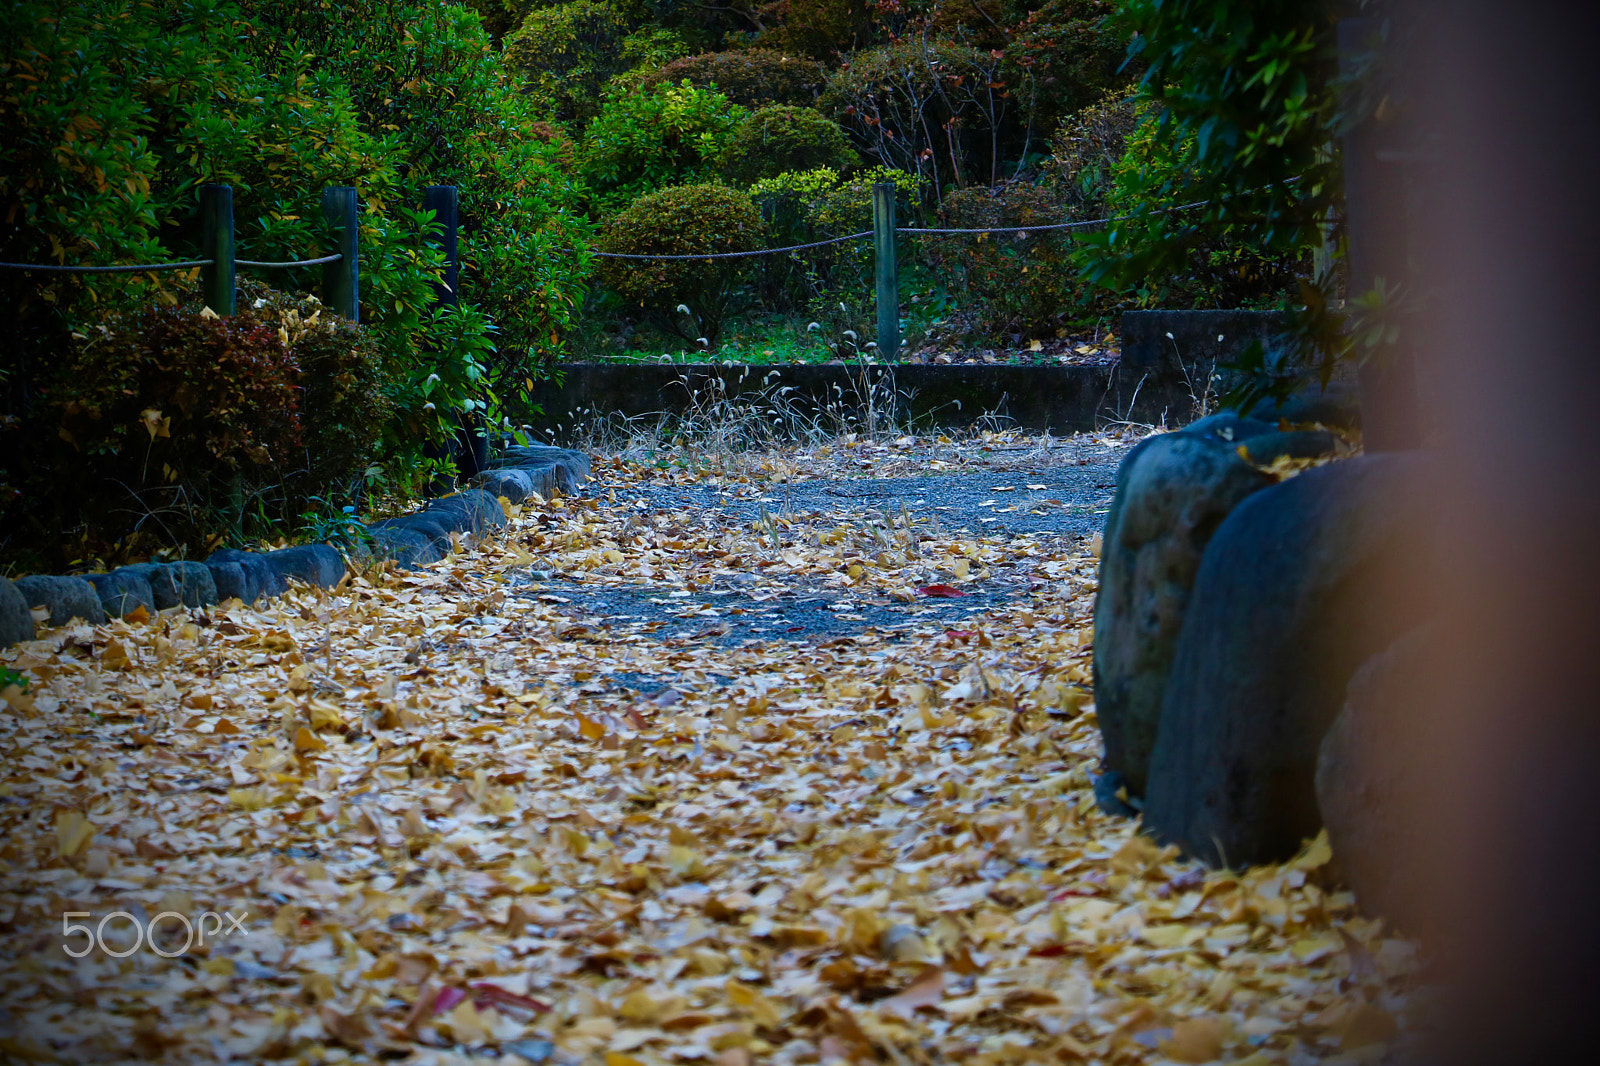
(799, 207)
(566, 53)
(163, 415)
(781, 137)
(1085, 151)
(1062, 55)
(821, 28)
(137, 102)
(685, 220)
(750, 78)
(1214, 266)
(672, 135)
(1025, 283)
(169, 413)
(346, 389)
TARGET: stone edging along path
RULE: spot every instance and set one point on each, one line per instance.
(410, 540)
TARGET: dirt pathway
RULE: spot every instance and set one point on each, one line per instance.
(706, 780)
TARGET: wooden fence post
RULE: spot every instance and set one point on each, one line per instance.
(1376, 227)
(442, 200)
(217, 285)
(471, 448)
(341, 280)
(888, 278)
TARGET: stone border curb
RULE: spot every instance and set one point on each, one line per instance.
(410, 541)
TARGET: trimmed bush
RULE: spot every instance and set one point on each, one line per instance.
(165, 414)
(938, 109)
(685, 220)
(345, 389)
(781, 137)
(1026, 283)
(750, 78)
(672, 135)
(822, 28)
(566, 53)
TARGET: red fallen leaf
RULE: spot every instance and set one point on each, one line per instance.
(485, 993)
(446, 999)
(946, 591)
(1049, 951)
(428, 1004)
(958, 634)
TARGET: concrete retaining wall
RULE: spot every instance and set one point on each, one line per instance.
(1157, 382)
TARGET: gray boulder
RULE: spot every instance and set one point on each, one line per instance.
(1382, 810)
(230, 581)
(122, 592)
(259, 573)
(1338, 406)
(551, 468)
(1173, 491)
(318, 565)
(16, 620)
(472, 511)
(163, 583)
(408, 548)
(515, 485)
(422, 523)
(1302, 583)
(196, 586)
(65, 597)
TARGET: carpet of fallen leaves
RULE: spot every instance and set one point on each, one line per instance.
(450, 833)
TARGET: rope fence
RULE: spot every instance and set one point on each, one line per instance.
(341, 274)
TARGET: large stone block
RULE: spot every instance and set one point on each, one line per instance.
(1385, 815)
(163, 583)
(472, 511)
(1302, 583)
(1173, 491)
(429, 526)
(407, 547)
(196, 586)
(16, 620)
(514, 484)
(318, 565)
(233, 581)
(122, 592)
(572, 467)
(66, 598)
(265, 578)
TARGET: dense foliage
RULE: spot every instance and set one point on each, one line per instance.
(1243, 99)
(117, 110)
(781, 137)
(641, 141)
(751, 77)
(560, 121)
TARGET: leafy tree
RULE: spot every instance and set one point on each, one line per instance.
(1242, 100)
(567, 53)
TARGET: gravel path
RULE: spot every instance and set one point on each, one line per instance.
(1045, 498)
